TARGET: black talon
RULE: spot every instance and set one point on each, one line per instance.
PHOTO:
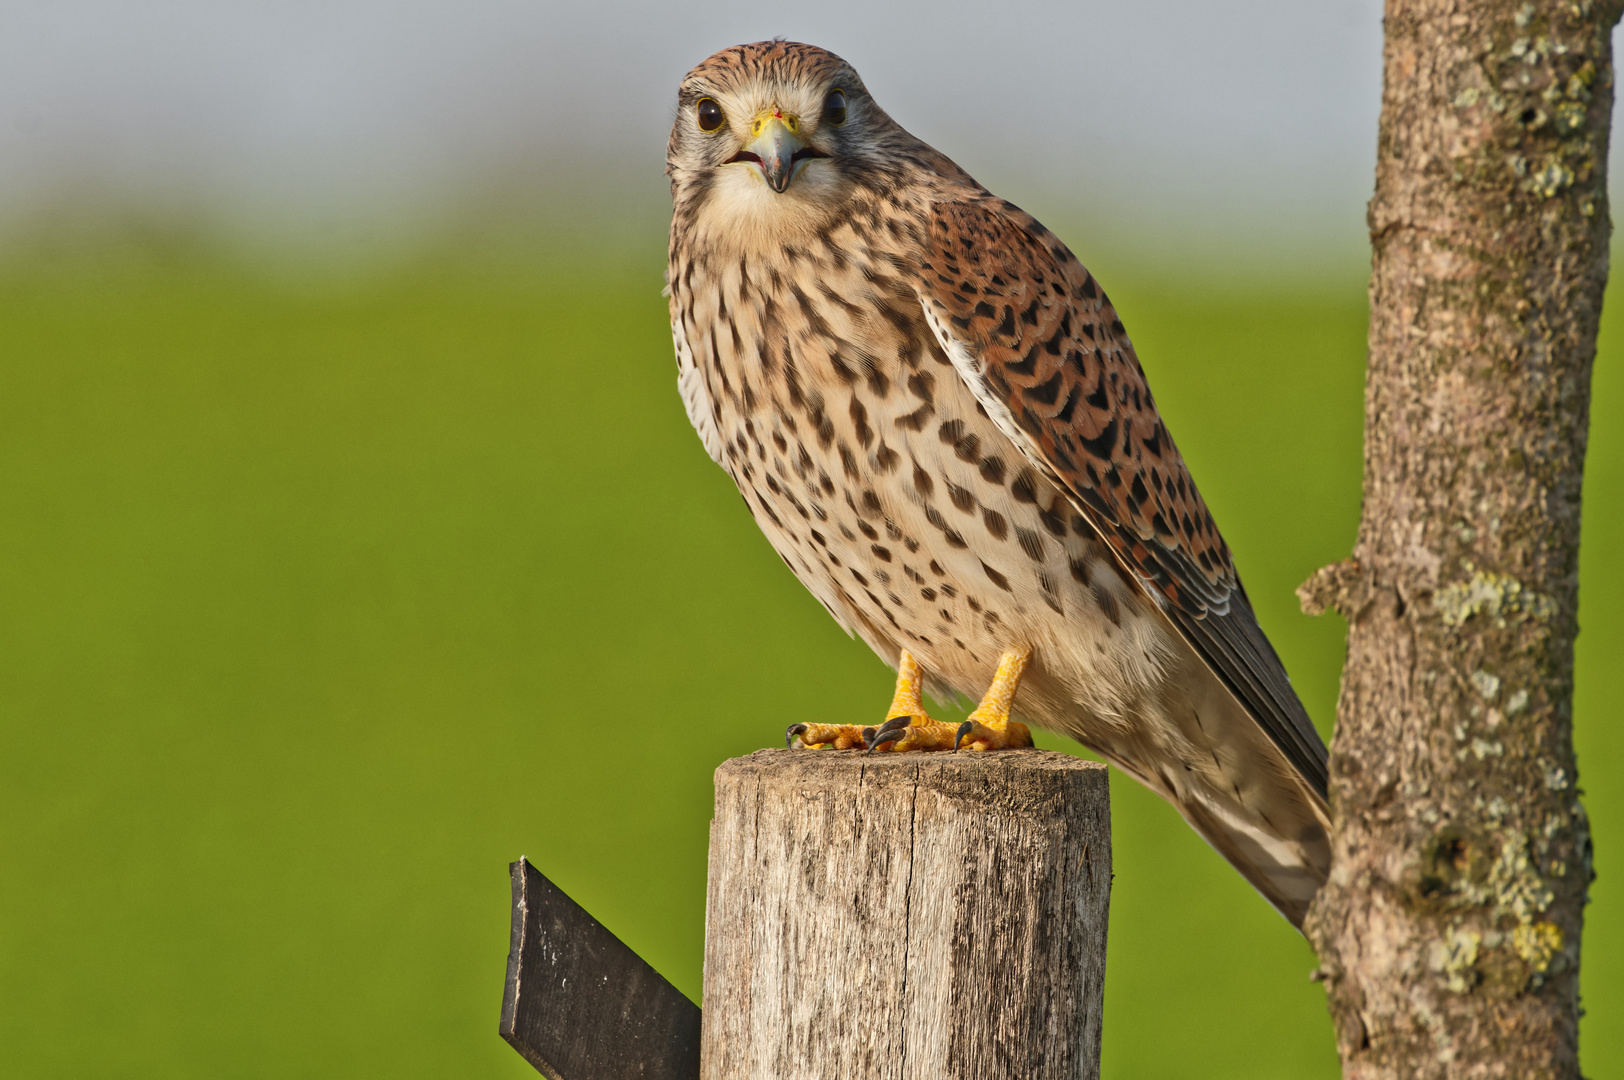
(888, 732)
(964, 729)
(896, 723)
(792, 732)
(880, 740)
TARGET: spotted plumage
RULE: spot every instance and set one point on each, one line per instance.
(935, 415)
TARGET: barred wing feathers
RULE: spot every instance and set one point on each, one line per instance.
(1041, 346)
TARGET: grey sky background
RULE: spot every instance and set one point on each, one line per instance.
(1250, 122)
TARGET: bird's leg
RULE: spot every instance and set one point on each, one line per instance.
(989, 727)
(907, 726)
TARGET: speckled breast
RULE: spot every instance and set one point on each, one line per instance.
(877, 476)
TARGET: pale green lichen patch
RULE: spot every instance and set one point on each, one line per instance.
(1486, 684)
(1569, 117)
(1500, 597)
(1466, 958)
(1514, 885)
(1580, 82)
(1511, 893)
(1537, 943)
(1532, 81)
(1527, 81)
(1552, 179)
(1454, 956)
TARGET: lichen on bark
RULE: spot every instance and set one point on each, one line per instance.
(1449, 931)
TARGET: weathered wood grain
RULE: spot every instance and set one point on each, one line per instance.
(906, 916)
(579, 1004)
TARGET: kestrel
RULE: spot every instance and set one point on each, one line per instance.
(933, 412)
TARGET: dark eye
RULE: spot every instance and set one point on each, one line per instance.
(709, 113)
(834, 108)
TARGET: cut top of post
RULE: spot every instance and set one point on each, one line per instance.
(1027, 779)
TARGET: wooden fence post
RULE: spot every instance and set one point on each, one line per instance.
(906, 916)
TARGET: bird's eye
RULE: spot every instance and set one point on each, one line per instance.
(709, 113)
(834, 108)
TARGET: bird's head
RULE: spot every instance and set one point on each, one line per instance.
(777, 134)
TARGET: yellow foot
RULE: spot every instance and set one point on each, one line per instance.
(909, 727)
(826, 736)
(989, 727)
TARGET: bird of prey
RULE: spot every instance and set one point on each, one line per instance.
(933, 412)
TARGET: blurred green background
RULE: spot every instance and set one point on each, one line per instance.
(322, 598)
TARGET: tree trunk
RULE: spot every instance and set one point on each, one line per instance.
(1449, 931)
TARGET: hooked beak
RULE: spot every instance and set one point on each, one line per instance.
(776, 149)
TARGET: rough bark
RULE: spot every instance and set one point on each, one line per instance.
(1449, 931)
(906, 916)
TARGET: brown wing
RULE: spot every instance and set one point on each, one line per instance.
(1044, 341)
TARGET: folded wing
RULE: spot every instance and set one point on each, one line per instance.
(1042, 348)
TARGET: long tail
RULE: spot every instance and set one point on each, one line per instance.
(1239, 792)
(1287, 871)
